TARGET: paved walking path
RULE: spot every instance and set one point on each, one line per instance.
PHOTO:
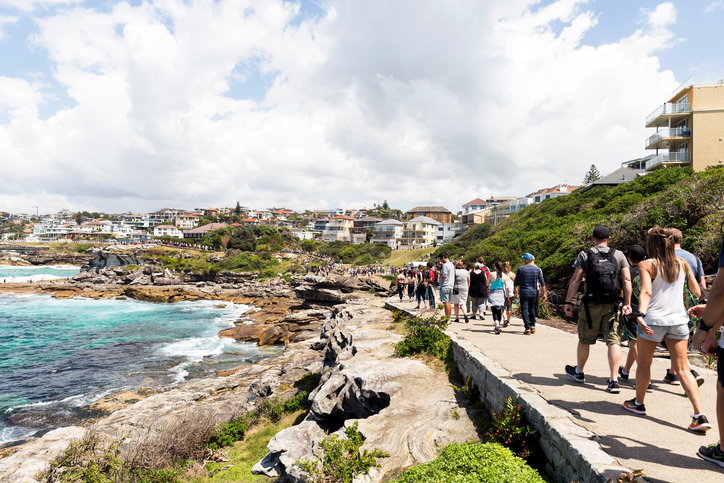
(659, 443)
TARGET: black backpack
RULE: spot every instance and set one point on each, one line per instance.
(603, 281)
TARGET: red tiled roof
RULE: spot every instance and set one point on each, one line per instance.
(342, 217)
(476, 201)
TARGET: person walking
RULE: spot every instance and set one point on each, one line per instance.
(460, 291)
(478, 290)
(421, 289)
(509, 293)
(607, 273)
(496, 294)
(711, 318)
(410, 284)
(432, 285)
(662, 316)
(528, 280)
(635, 255)
(401, 284)
(447, 282)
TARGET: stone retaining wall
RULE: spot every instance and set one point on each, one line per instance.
(573, 452)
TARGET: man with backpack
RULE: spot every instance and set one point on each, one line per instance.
(607, 274)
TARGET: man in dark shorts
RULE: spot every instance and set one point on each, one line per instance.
(635, 254)
(704, 340)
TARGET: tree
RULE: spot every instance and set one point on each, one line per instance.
(369, 234)
(592, 175)
(237, 210)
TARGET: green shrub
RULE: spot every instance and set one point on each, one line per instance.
(365, 259)
(341, 460)
(424, 336)
(472, 463)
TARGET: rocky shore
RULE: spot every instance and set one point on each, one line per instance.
(333, 327)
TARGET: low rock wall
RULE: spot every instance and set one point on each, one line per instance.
(573, 452)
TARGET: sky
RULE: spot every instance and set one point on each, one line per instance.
(138, 105)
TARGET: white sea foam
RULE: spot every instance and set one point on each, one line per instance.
(196, 348)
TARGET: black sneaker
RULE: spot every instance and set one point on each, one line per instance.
(624, 375)
(613, 387)
(700, 424)
(577, 376)
(633, 407)
(698, 377)
(671, 378)
(712, 453)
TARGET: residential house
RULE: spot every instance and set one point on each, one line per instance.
(505, 209)
(303, 234)
(167, 230)
(689, 126)
(446, 232)
(622, 175)
(360, 227)
(388, 231)
(200, 231)
(437, 213)
(187, 221)
(420, 232)
(338, 229)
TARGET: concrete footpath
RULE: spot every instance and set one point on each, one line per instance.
(659, 443)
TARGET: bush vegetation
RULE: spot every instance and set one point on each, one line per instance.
(425, 336)
(557, 229)
(472, 463)
(341, 459)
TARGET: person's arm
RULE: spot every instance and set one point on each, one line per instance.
(572, 289)
(515, 284)
(702, 277)
(645, 296)
(627, 289)
(691, 279)
(542, 283)
(712, 316)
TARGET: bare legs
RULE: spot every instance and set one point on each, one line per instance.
(614, 359)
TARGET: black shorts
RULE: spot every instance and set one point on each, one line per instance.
(720, 366)
(630, 326)
(508, 303)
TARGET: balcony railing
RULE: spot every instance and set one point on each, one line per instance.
(668, 108)
(699, 80)
(678, 132)
(677, 158)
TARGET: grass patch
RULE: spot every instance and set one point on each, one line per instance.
(401, 257)
(243, 455)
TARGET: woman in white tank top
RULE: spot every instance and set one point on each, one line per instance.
(662, 316)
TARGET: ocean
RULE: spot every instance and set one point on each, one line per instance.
(58, 356)
(10, 274)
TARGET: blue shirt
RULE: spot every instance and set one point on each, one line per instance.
(527, 279)
(693, 261)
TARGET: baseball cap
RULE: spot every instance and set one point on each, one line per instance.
(636, 253)
(528, 256)
(601, 232)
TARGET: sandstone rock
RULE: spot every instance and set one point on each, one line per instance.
(318, 294)
(166, 281)
(288, 446)
(264, 386)
(262, 334)
(142, 280)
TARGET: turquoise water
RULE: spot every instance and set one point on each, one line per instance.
(59, 355)
(10, 274)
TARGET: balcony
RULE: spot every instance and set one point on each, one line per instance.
(663, 138)
(668, 158)
(668, 112)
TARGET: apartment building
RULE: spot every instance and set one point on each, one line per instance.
(338, 229)
(437, 213)
(388, 231)
(446, 232)
(167, 230)
(420, 232)
(187, 221)
(689, 126)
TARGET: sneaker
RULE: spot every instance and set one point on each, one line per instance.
(466, 318)
(532, 330)
(506, 323)
(624, 375)
(700, 424)
(711, 453)
(633, 407)
(457, 320)
(613, 387)
(577, 376)
(497, 330)
(527, 332)
(698, 377)
(671, 378)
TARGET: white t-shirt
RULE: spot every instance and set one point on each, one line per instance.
(448, 275)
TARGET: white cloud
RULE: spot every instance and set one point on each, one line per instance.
(29, 5)
(714, 5)
(6, 20)
(375, 100)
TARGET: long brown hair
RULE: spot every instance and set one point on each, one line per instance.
(498, 267)
(660, 247)
(506, 267)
